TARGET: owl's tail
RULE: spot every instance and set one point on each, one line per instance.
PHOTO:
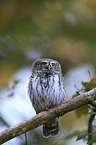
(51, 128)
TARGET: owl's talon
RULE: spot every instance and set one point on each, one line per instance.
(47, 110)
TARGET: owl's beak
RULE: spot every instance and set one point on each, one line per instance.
(48, 67)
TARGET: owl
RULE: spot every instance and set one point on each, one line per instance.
(46, 89)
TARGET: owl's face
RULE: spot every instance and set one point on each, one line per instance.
(46, 66)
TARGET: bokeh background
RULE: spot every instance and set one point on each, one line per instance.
(64, 30)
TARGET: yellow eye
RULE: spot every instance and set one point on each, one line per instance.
(44, 63)
(53, 64)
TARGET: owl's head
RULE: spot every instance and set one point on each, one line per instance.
(48, 66)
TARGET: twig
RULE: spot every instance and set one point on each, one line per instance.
(45, 116)
(25, 138)
(90, 128)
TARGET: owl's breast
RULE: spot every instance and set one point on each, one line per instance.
(46, 92)
(45, 81)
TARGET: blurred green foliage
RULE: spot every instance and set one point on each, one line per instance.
(86, 86)
(63, 30)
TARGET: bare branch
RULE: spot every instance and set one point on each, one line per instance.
(43, 117)
(90, 137)
(90, 128)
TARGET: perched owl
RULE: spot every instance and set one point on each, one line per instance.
(46, 89)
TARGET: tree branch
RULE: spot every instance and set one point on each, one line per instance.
(43, 117)
(90, 127)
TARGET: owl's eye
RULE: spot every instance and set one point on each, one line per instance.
(53, 64)
(44, 63)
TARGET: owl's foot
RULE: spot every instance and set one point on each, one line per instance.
(47, 109)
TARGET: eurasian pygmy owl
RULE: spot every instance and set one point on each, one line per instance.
(46, 89)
